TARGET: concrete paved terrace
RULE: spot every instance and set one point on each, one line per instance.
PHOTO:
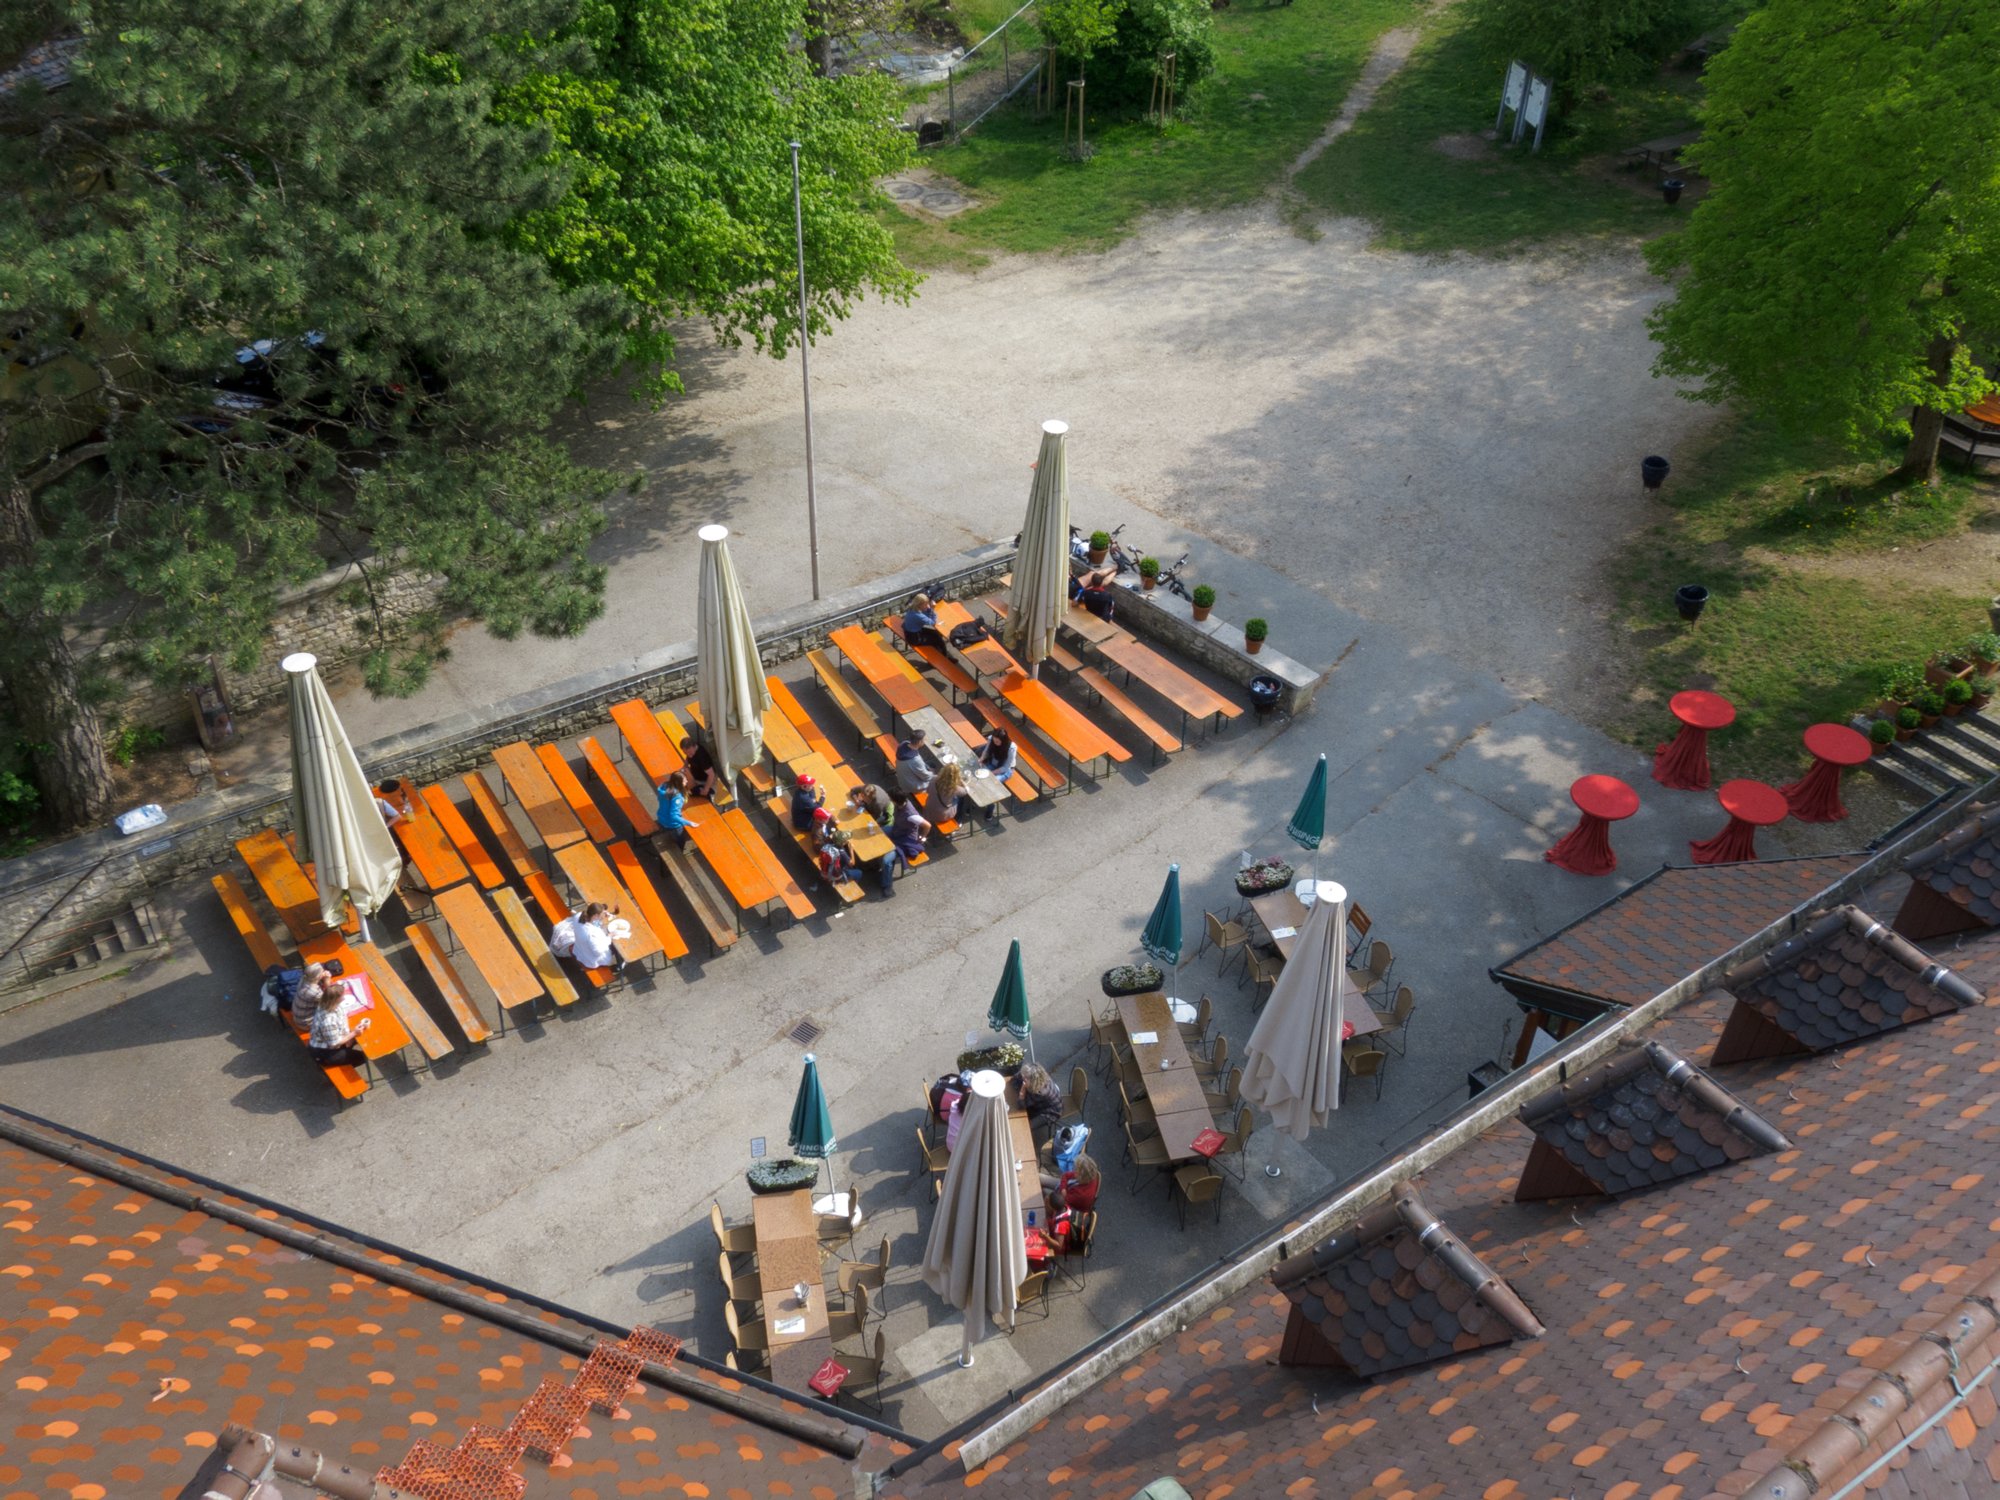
(578, 1156)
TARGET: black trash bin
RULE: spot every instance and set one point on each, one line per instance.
(1690, 599)
(1672, 188)
(1264, 692)
(1653, 471)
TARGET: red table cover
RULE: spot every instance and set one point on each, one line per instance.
(1682, 763)
(1751, 805)
(1815, 796)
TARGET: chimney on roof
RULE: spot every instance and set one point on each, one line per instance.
(1395, 1288)
(1647, 1116)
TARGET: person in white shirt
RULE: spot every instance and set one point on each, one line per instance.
(585, 938)
(387, 803)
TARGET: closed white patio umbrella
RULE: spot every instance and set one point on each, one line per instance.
(977, 1256)
(341, 832)
(1041, 565)
(1292, 1064)
(729, 673)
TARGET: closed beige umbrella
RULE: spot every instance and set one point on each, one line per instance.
(1041, 564)
(341, 832)
(729, 674)
(977, 1257)
(1292, 1065)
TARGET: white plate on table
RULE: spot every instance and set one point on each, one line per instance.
(1183, 1012)
(981, 774)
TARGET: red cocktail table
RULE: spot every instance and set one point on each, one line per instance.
(1586, 848)
(1815, 796)
(1683, 764)
(1751, 805)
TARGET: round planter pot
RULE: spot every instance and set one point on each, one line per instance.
(1690, 599)
(1653, 471)
(1930, 721)
(1097, 555)
(1905, 734)
(1672, 189)
(1113, 991)
(1201, 612)
(1253, 647)
(1147, 582)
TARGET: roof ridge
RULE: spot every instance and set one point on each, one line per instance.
(1984, 820)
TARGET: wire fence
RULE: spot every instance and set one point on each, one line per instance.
(989, 73)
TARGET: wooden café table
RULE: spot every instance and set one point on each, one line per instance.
(787, 1254)
(941, 741)
(593, 880)
(1282, 910)
(1175, 1090)
(528, 779)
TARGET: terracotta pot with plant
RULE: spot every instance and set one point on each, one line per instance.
(1929, 706)
(1908, 722)
(1982, 693)
(1943, 667)
(1149, 571)
(1983, 650)
(1880, 733)
(1204, 601)
(1956, 694)
(1254, 632)
(1901, 685)
(1100, 546)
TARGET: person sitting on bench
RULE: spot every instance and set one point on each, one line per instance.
(998, 757)
(700, 768)
(946, 794)
(872, 800)
(907, 832)
(913, 772)
(1093, 592)
(671, 810)
(920, 623)
(334, 1038)
(585, 938)
(807, 798)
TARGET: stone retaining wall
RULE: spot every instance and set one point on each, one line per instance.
(1216, 644)
(51, 892)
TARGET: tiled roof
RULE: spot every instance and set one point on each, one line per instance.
(1397, 1289)
(1669, 925)
(134, 1330)
(45, 63)
(1846, 976)
(1698, 1333)
(1646, 1117)
(1964, 865)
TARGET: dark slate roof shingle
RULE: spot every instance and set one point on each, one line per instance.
(1397, 1288)
(1670, 924)
(1964, 865)
(1645, 1117)
(1846, 976)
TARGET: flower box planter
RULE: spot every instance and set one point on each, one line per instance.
(1263, 877)
(784, 1175)
(1131, 979)
(1005, 1059)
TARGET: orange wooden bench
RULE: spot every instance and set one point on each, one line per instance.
(547, 967)
(386, 1032)
(499, 963)
(455, 828)
(866, 726)
(761, 780)
(423, 840)
(1192, 697)
(633, 877)
(787, 703)
(797, 902)
(529, 781)
(471, 1020)
(1025, 750)
(613, 781)
(1060, 723)
(573, 793)
(715, 921)
(961, 680)
(671, 726)
(658, 757)
(591, 877)
(518, 859)
(349, 1083)
(427, 1034)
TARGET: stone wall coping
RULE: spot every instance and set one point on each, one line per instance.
(1270, 662)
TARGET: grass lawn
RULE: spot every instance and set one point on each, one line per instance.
(1390, 170)
(1281, 74)
(1821, 577)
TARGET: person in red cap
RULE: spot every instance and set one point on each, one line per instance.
(807, 798)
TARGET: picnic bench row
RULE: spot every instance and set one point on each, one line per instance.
(478, 916)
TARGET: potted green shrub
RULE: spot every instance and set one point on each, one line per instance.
(1983, 649)
(1100, 546)
(1929, 706)
(1908, 722)
(1956, 694)
(781, 1175)
(1901, 685)
(1254, 632)
(1131, 979)
(1982, 692)
(1204, 601)
(1004, 1059)
(1881, 732)
(1149, 571)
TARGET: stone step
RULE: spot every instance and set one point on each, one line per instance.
(1895, 764)
(1980, 736)
(130, 937)
(1886, 771)
(1963, 764)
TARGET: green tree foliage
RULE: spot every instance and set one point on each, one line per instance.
(1849, 245)
(1579, 44)
(1146, 29)
(675, 133)
(1076, 29)
(328, 175)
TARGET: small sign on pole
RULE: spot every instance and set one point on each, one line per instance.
(1535, 110)
(756, 1148)
(1512, 91)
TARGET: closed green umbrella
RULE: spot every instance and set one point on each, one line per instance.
(1009, 1010)
(812, 1122)
(1308, 825)
(1162, 937)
